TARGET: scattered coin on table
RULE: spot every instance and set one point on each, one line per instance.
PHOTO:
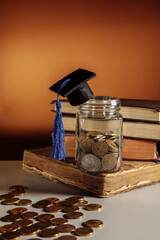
(10, 218)
(42, 204)
(70, 208)
(66, 237)
(24, 202)
(24, 222)
(10, 235)
(18, 192)
(53, 208)
(65, 228)
(45, 217)
(74, 215)
(49, 233)
(92, 207)
(58, 221)
(17, 187)
(94, 223)
(43, 225)
(83, 231)
(6, 196)
(28, 230)
(18, 210)
(81, 203)
(75, 198)
(10, 201)
(9, 228)
(52, 199)
(28, 215)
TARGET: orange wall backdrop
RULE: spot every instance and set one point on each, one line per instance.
(42, 41)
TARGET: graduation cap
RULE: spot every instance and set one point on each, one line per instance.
(76, 90)
(74, 86)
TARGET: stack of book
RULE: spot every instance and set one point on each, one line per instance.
(141, 128)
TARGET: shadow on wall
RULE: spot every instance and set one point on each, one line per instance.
(12, 147)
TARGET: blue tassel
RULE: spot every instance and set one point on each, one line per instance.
(58, 136)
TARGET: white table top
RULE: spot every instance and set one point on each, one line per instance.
(129, 216)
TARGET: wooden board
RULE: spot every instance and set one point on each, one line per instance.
(133, 174)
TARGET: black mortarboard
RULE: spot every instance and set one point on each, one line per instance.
(76, 90)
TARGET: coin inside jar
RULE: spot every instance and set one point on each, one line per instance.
(92, 133)
(74, 215)
(18, 210)
(45, 217)
(83, 231)
(112, 146)
(9, 228)
(86, 145)
(109, 161)
(94, 223)
(58, 221)
(90, 163)
(65, 228)
(92, 207)
(46, 233)
(99, 148)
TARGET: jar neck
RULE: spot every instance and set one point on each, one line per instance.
(100, 106)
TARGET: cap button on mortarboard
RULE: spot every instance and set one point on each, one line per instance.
(74, 86)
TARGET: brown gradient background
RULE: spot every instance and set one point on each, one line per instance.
(42, 41)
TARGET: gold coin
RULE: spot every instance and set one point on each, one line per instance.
(70, 202)
(42, 203)
(10, 201)
(28, 230)
(17, 187)
(100, 148)
(28, 215)
(112, 146)
(70, 208)
(66, 237)
(24, 222)
(24, 202)
(75, 198)
(6, 196)
(93, 223)
(74, 215)
(58, 221)
(109, 161)
(82, 203)
(46, 233)
(83, 231)
(10, 235)
(53, 209)
(43, 225)
(86, 145)
(93, 133)
(8, 228)
(45, 217)
(52, 199)
(65, 228)
(18, 210)
(92, 207)
(10, 218)
(18, 192)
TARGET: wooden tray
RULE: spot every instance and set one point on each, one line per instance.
(133, 174)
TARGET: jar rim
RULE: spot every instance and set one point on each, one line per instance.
(107, 101)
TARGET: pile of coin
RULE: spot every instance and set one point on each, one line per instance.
(23, 222)
(98, 152)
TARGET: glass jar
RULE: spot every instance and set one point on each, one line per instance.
(99, 135)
